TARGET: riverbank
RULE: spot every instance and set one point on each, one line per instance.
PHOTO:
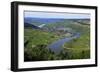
(57, 45)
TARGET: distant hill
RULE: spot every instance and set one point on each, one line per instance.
(51, 24)
(28, 25)
(77, 25)
(41, 20)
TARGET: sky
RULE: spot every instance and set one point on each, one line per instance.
(56, 15)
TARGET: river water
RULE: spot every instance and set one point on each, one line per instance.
(56, 46)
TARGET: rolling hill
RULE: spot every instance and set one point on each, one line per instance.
(28, 25)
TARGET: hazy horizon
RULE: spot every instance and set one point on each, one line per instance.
(53, 15)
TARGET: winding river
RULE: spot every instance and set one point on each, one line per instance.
(57, 45)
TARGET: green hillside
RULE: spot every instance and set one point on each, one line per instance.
(37, 40)
(36, 37)
(77, 27)
(79, 48)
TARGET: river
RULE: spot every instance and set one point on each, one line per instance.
(56, 46)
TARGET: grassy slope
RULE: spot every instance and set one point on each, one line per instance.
(36, 48)
(80, 47)
(36, 37)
